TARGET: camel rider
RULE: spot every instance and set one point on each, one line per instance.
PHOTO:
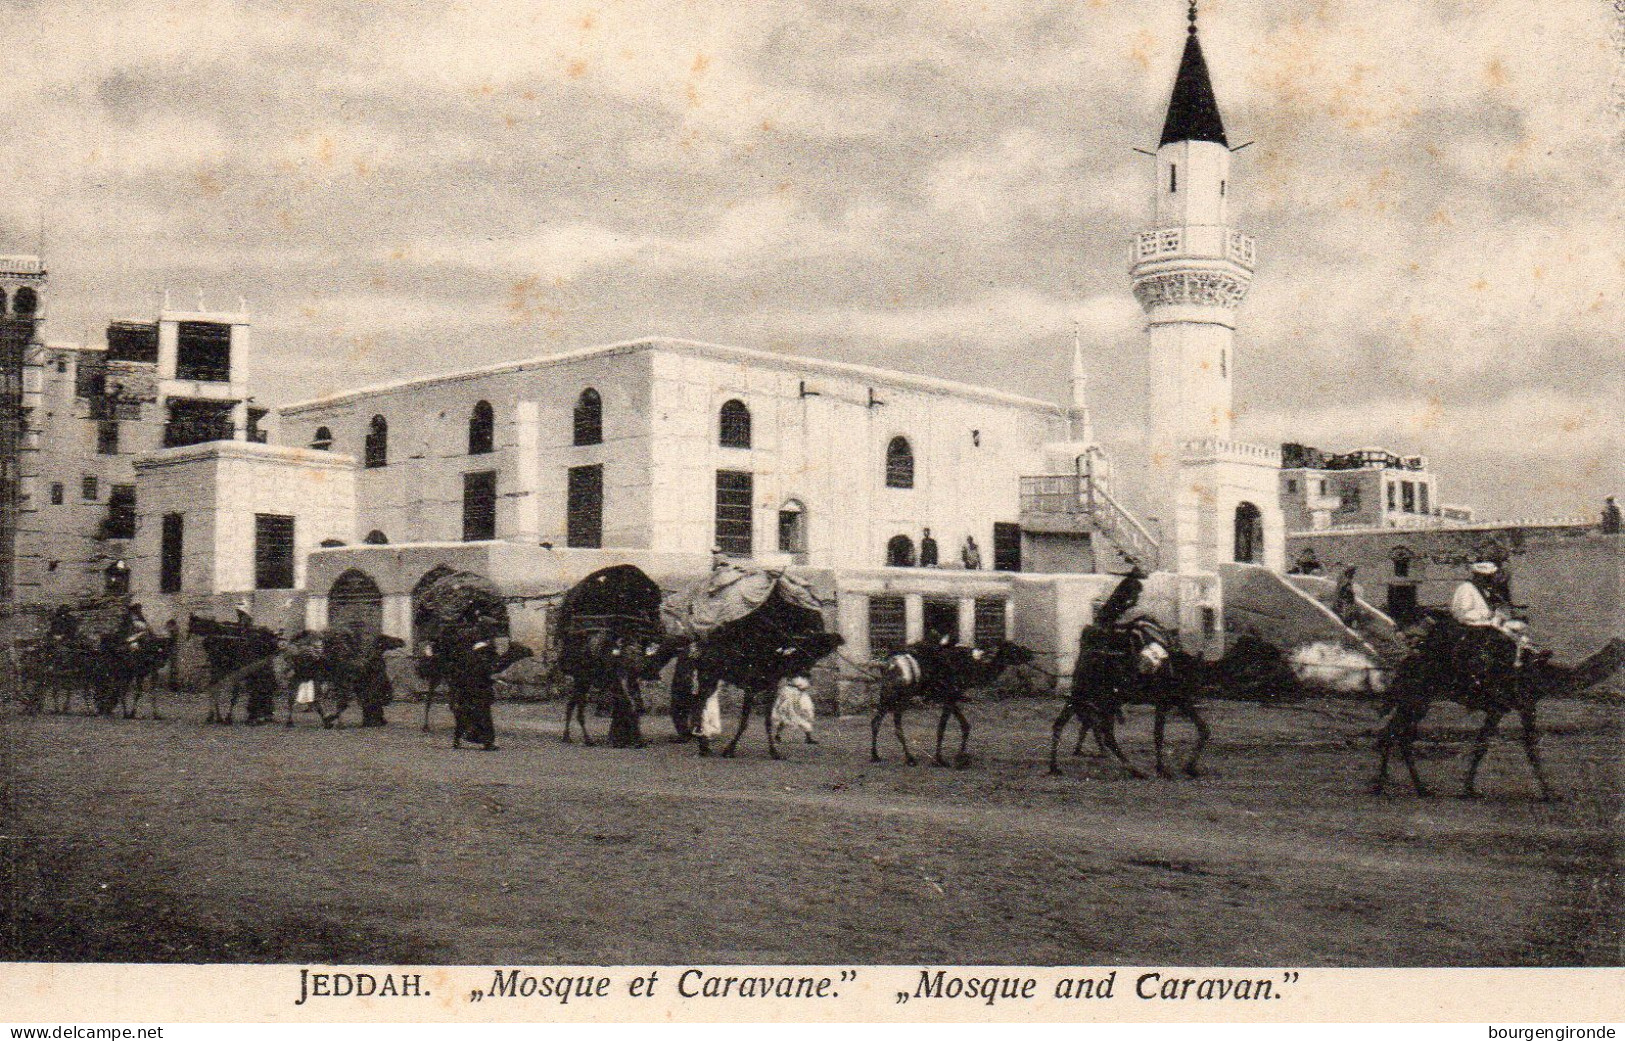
(1476, 602)
(134, 628)
(1480, 606)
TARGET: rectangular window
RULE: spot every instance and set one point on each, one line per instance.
(989, 620)
(1349, 501)
(1006, 546)
(107, 437)
(942, 618)
(1393, 496)
(584, 511)
(1173, 177)
(1407, 496)
(203, 352)
(170, 552)
(57, 493)
(87, 488)
(792, 529)
(132, 341)
(273, 551)
(734, 495)
(1291, 487)
(1422, 497)
(120, 522)
(888, 625)
(480, 506)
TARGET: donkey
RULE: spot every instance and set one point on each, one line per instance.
(932, 672)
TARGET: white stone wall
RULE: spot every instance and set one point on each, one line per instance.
(827, 451)
(661, 454)
(219, 488)
(418, 496)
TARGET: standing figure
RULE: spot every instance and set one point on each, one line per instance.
(1344, 603)
(372, 687)
(970, 555)
(1610, 517)
(794, 708)
(928, 549)
(473, 658)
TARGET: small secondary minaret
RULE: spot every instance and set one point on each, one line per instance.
(1081, 426)
(1213, 500)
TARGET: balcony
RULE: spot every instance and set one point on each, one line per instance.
(1206, 240)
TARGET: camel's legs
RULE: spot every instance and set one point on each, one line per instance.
(772, 740)
(902, 738)
(1157, 729)
(744, 720)
(1531, 748)
(874, 730)
(428, 703)
(1067, 712)
(1385, 748)
(942, 727)
(1481, 745)
(1107, 728)
(1203, 732)
(1407, 750)
(581, 716)
(964, 732)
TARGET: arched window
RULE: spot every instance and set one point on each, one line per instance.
(589, 418)
(481, 429)
(1249, 534)
(25, 303)
(323, 439)
(735, 425)
(377, 448)
(899, 464)
(900, 551)
(376, 538)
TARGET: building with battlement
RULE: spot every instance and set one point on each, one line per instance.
(87, 413)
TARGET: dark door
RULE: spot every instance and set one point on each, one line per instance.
(1006, 546)
(355, 603)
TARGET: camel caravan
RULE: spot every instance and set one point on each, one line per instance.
(763, 633)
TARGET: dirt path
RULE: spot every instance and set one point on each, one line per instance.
(176, 841)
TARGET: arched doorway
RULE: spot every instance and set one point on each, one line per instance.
(900, 551)
(1249, 534)
(355, 602)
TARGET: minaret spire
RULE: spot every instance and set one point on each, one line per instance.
(1193, 112)
(1082, 423)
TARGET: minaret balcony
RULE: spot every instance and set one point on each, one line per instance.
(1207, 241)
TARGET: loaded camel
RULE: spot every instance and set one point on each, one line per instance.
(935, 672)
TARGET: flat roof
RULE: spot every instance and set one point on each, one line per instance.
(791, 362)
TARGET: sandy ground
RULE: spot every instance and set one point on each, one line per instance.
(176, 841)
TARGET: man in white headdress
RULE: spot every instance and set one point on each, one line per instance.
(1477, 602)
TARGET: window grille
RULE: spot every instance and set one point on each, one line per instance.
(734, 514)
(584, 510)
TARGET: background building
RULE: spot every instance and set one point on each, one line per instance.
(1368, 488)
(22, 308)
(89, 412)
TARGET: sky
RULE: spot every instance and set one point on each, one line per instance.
(402, 188)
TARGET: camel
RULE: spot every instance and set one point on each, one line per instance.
(1135, 663)
(613, 665)
(1484, 672)
(128, 670)
(239, 655)
(932, 672)
(755, 667)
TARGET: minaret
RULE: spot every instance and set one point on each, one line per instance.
(1191, 272)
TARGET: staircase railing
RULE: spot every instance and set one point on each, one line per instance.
(1119, 525)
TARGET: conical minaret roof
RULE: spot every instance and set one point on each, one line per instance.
(1193, 113)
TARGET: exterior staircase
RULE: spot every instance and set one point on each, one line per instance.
(1080, 503)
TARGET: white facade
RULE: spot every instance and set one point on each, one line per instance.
(218, 490)
(819, 434)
